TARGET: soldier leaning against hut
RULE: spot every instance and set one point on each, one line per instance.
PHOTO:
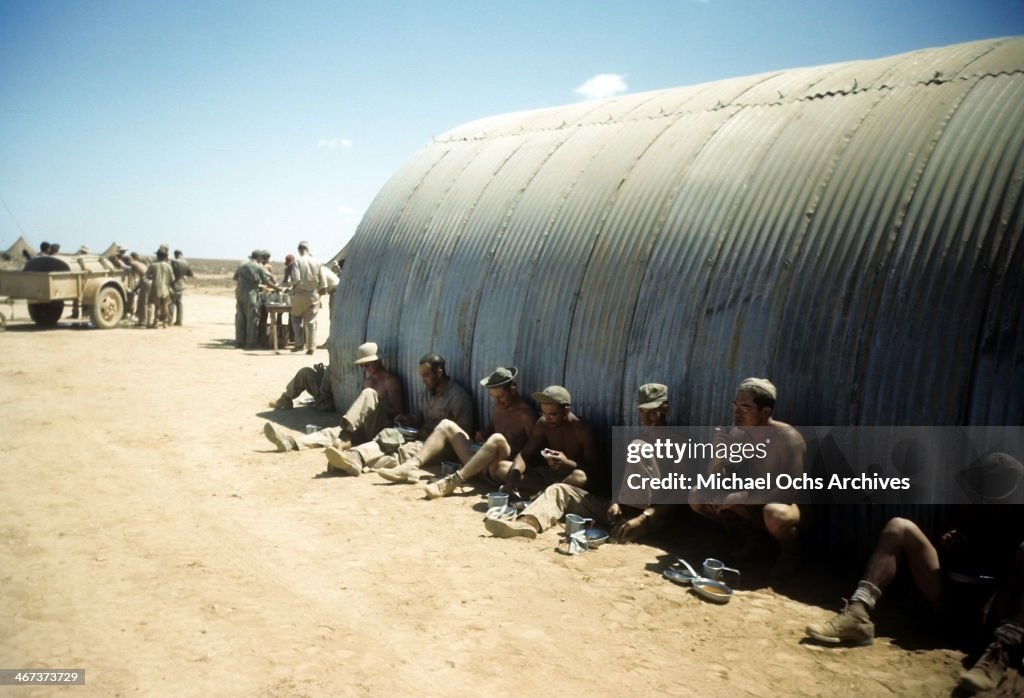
(512, 423)
(630, 518)
(562, 448)
(445, 399)
(761, 516)
(983, 552)
(375, 408)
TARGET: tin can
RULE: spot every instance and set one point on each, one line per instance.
(312, 428)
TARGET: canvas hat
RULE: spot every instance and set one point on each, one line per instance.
(389, 440)
(366, 353)
(651, 395)
(992, 479)
(500, 376)
(555, 395)
(762, 384)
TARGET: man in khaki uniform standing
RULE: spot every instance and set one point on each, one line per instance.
(161, 278)
(306, 295)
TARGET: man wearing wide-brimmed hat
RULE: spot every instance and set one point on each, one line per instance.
(375, 408)
(512, 423)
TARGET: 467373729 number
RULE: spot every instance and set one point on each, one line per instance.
(41, 677)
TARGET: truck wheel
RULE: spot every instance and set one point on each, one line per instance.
(46, 314)
(107, 309)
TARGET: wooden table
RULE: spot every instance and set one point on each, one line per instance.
(274, 311)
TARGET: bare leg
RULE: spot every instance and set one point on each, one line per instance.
(447, 432)
(903, 541)
(781, 520)
(489, 458)
(499, 471)
(700, 505)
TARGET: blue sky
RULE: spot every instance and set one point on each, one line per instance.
(221, 126)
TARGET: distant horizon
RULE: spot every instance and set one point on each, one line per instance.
(218, 128)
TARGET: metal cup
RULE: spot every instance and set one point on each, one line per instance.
(312, 428)
(574, 523)
(497, 499)
(716, 569)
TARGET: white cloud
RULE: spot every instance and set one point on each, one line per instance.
(334, 143)
(602, 86)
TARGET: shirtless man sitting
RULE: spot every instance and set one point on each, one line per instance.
(562, 448)
(511, 426)
(629, 519)
(757, 512)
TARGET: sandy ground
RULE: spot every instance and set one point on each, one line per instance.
(150, 535)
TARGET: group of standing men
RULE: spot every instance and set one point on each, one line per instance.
(156, 299)
(305, 278)
(550, 465)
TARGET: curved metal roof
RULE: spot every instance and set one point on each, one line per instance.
(851, 231)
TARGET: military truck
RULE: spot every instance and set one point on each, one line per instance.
(99, 286)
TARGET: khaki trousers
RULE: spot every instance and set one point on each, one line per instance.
(364, 418)
(560, 499)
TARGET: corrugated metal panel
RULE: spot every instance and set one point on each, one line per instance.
(851, 231)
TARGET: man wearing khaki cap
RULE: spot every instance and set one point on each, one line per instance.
(764, 517)
(562, 448)
(628, 519)
(375, 408)
(512, 423)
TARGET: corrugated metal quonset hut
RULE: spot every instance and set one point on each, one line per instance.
(852, 231)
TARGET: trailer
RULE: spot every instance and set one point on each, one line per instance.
(99, 286)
